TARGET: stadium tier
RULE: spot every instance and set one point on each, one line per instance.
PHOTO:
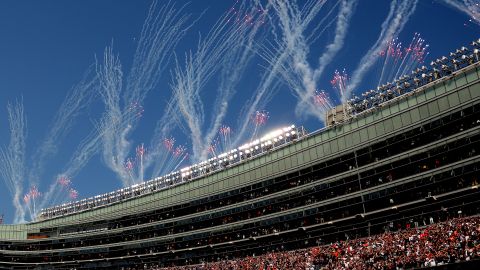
(403, 156)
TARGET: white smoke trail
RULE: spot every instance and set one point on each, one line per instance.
(84, 151)
(77, 100)
(226, 45)
(399, 14)
(287, 55)
(343, 20)
(234, 65)
(469, 7)
(113, 126)
(12, 158)
(159, 155)
(162, 30)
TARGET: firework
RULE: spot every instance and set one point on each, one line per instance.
(259, 119)
(168, 143)
(225, 135)
(212, 149)
(470, 7)
(135, 110)
(129, 165)
(73, 194)
(396, 60)
(140, 151)
(340, 82)
(34, 193)
(322, 100)
(240, 16)
(140, 155)
(64, 181)
(26, 198)
(30, 200)
(168, 161)
(179, 151)
(398, 16)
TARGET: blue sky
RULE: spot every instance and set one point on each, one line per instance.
(47, 46)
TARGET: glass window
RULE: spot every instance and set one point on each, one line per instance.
(472, 75)
(403, 104)
(341, 143)
(394, 108)
(475, 90)
(406, 120)
(326, 149)
(464, 95)
(412, 101)
(421, 97)
(363, 135)
(361, 122)
(354, 124)
(270, 169)
(388, 125)
(397, 122)
(275, 166)
(450, 85)
(372, 132)
(433, 107)
(348, 141)
(443, 103)
(424, 112)
(439, 89)
(281, 165)
(288, 162)
(312, 154)
(453, 99)
(356, 137)
(297, 159)
(380, 128)
(347, 127)
(320, 150)
(334, 146)
(461, 80)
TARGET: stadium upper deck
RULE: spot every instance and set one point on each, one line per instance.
(409, 158)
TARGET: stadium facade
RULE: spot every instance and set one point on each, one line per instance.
(409, 160)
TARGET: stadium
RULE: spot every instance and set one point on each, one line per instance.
(390, 183)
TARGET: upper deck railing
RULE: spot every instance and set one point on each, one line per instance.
(272, 141)
(419, 77)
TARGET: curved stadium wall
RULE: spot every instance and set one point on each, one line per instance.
(411, 160)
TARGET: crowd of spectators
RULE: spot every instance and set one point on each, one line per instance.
(443, 243)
